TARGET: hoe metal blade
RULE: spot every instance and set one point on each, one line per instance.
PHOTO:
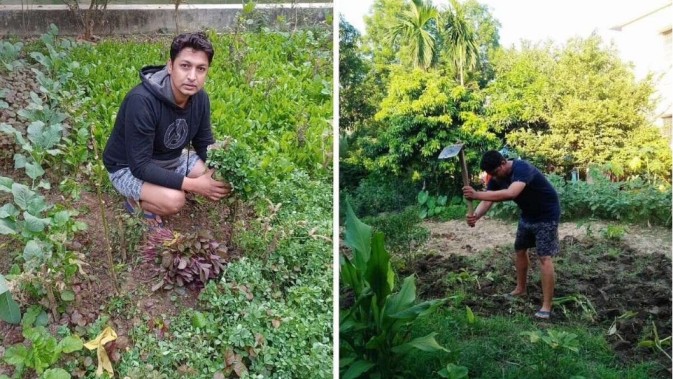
(451, 151)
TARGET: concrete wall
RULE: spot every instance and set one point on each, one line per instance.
(149, 19)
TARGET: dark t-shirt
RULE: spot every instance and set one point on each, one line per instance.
(538, 201)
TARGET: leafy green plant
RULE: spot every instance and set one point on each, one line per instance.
(580, 301)
(45, 231)
(43, 349)
(374, 330)
(236, 164)
(656, 342)
(9, 309)
(555, 339)
(41, 141)
(188, 260)
(403, 230)
(463, 277)
(452, 371)
(430, 205)
(9, 55)
(614, 232)
(376, 194)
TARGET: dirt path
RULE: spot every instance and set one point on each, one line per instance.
(455, 237)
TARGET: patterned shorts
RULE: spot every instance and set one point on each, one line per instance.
(130, 186)
(543, 236)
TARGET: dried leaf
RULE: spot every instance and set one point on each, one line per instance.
(276, 323)
(166, 259)
(182, 264)
(259, 340)
(235, 361)
(157, 286)
(251, 352)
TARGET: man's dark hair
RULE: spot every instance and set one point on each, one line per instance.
(197, 41)
(491, 160)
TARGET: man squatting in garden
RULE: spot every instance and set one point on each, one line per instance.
(538, 225)
(156, 121)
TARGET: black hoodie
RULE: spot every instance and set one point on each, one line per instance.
(151, 128)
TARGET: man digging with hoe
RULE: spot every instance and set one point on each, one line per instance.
(524, 184)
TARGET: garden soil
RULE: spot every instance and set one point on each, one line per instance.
(134, 302)
(620, 287)
(456, 237)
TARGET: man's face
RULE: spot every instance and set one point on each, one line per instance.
(188, 73)
(499, 172)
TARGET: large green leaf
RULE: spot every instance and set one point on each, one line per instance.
(16, 355)
(9, 309)
(35, 224)
(35, 251)
(22, 195)
(34, 170)
(8, 210)
(417, 310)
(379, 274)
(356, 369)
(7, 226)
(70, 344)
(426, 343)
(55, 373)
(349, 275)
(358, 238)
(6, 184)
(402, 299)
(4, 286)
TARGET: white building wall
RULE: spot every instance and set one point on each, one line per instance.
(645, 40)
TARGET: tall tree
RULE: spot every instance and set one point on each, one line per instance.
(460, 40)
(354, 104)
(413, 28)
(576, 105)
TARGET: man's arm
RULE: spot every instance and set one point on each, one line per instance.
(510, 193)
(481, 210)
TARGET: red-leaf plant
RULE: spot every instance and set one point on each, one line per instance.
(184, 260)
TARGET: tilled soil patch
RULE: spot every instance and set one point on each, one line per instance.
(600, 283)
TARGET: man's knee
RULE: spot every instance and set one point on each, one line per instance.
(164, 201)
(546, 260)
(173, 201)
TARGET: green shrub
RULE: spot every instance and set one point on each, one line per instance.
(377, 193)
(403, 230)
(634, 201)
(374, 331)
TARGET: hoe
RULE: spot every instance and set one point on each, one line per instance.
(452, 151)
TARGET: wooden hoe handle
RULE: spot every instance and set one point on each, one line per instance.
(466, 180)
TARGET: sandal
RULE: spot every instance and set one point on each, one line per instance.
(544, 315)
(148, 215)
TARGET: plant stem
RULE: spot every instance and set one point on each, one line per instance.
(101, 205)
(50, 294)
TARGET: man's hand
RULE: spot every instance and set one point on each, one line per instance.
(208, 187)
(470, 193)
(471, 220)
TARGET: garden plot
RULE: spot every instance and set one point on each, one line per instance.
(270, 313)
(622, 287)
(456, 237)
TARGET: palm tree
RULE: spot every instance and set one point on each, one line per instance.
(412, 27)
(460, 39)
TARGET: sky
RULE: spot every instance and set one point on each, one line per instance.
(537, 20)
